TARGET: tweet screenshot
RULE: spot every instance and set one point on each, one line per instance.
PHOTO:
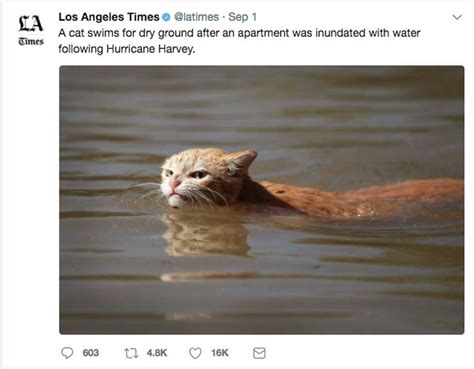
(237, 184)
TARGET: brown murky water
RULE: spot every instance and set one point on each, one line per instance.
(129, 265)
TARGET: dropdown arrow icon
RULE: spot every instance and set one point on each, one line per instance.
(457, 16)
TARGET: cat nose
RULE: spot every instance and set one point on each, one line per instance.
(175, 183)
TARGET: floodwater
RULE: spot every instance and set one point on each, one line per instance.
(128, 264)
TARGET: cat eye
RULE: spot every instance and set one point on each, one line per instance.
(198, 174)
(168, 172)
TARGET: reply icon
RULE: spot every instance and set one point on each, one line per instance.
(67, 352)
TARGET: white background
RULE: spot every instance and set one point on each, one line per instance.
(31, 174)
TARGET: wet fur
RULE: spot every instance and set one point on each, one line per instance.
(227, 183)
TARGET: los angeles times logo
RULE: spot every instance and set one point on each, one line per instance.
(31, 24)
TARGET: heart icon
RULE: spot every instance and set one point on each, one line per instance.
(195, 352)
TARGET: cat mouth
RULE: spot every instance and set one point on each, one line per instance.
(176, 200)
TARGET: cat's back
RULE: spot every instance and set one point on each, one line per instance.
(370, 201)
(440, 187)
(304, 199)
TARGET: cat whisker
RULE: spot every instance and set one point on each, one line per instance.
(218, 194)
(193, 193)
(199, 191)
(191, 197)
(156, 179)
(149, 193)
(144, 184)
(202, 197)
(198, 201)
(209, 201)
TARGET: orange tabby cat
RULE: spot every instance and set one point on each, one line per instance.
(214, 177)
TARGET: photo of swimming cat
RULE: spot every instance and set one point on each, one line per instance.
(349, 220)
(213, 177)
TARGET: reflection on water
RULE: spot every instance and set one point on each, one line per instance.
(191, 234)
(130, 265)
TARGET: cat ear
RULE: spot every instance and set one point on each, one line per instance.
(240, 161)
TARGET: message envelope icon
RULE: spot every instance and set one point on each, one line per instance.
(259, 352)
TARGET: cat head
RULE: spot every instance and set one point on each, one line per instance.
(205, 176)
